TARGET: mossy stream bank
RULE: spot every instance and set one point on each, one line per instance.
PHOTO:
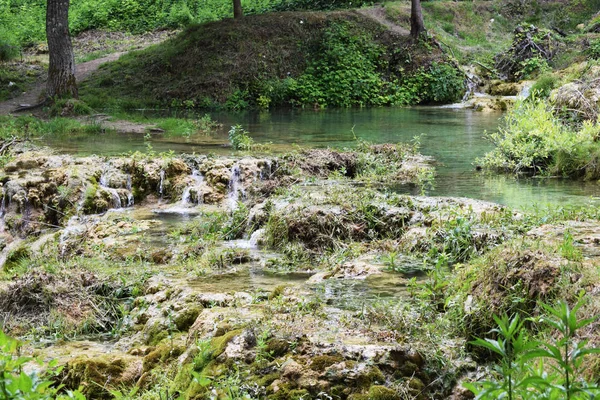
(288, 277)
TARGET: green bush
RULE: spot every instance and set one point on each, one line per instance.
(15, 384)
(543, 86)
(441, 83)
(348, 69)
(533, 67)
(593, 52)
(534, 141)
(342, 72)
(296, 5)
(240, 138)
(8, 51)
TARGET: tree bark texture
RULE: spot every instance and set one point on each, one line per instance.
(417, 27)
(237, 9)
(61, 71)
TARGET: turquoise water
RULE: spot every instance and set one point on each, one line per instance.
(454, 137)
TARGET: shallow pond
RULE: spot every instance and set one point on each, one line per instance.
(455, 137)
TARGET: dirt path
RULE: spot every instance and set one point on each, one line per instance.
(378, 14)
(31, 97)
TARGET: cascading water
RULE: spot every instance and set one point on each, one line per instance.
(121, 193)
(186, 197)
(161, 184)
(130, 199)
(267, 170)
(472, 82)
(526, 90)
(113, 192)
(235, 187)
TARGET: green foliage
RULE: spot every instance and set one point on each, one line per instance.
(30, 127)
(240, 138)
(204, 355)
(295, 5)
(343, 71)
(458, 244)
(15, 384)
(568, 249)
(8, 51)
(522, 378)
(593, 51)
(533, 67)
(440, 83)
(543, 86)
(69, 107)
(533, 140)
(349, 70)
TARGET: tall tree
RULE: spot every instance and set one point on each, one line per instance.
(417, 27)
(61, 71)
(237, 9)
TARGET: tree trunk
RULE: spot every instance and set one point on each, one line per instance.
(237, 9)
(417, 27)
(61, 71)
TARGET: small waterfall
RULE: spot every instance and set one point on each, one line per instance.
(3, 205)
(113, 192)
(186, 197)
(130, 199)
(526, 90)
(256, 237)
(161, 184)
(235, 187)
(118, 195)
(267, 170)
(3, 208)
(472, 83)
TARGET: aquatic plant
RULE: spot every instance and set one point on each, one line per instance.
(240, 138)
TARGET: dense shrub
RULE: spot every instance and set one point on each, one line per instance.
(593, 51)
(343, 71)
(535, 141)
(22, 22)
(7, 50)
(348, 69)
(544, 85)
(295, 5)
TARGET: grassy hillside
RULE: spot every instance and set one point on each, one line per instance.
(298, 58)
(478, 30)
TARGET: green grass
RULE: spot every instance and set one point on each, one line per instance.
(16, 78)
(337, 59)
(476, 31)
(31, 127)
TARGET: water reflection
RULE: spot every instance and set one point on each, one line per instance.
(455, 137)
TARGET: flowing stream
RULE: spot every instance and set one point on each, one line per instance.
(455, 137)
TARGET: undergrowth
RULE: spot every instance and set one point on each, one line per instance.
(533, 140)
(339, 59)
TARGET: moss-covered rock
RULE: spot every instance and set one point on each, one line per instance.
(378, 392)
(186, 318)
(320, 363)
(96, 375)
